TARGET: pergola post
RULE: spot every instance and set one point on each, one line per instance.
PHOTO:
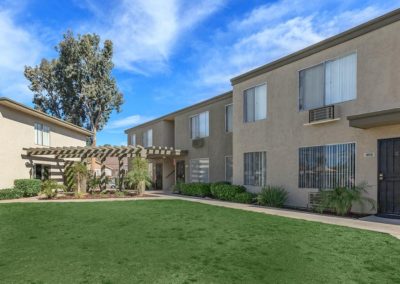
(103, 184)
(120, 173)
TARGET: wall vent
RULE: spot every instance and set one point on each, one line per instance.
(198, 142)
(322, 113)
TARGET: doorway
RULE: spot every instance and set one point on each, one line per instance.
(180, 172)
(389, 176)
(159, 176)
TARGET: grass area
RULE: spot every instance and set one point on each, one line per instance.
(182, 242)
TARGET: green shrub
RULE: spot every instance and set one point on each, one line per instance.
(341, 199)
(29, 187)
(244, 197)
(11, 193)
(49, 188)
(195, 189)
(274, 196)
(225, 191)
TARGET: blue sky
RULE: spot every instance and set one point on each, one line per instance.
(170, 53)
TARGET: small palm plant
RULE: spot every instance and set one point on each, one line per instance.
(341, 199)
(80, 172)
(139, 176)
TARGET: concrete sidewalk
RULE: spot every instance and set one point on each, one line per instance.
(366, 224)
(372, 224)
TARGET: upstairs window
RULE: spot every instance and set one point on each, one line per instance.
(255, 103)
(330, 82)
(148, 138)
(42, 134)
(228, 118)
(199, 125)
(133, 139)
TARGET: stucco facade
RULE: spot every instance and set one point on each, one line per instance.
(286, 128)
(17, 132)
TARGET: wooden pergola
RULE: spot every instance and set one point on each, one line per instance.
(103, 152)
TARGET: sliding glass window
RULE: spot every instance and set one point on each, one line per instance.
(330, 82)
(327, 166)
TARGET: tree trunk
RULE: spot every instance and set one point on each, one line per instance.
(94, 143)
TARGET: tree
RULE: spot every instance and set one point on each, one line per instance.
(78, 85)
(139, 176)
(80, 172)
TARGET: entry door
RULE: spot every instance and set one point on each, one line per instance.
(389, 176)
(180, 171)
(159, 176)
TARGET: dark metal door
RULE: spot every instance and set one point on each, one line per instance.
(389, 176)
(159, 176)
(180, 171)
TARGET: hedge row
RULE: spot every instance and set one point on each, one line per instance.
(219, 190)
(22, 188)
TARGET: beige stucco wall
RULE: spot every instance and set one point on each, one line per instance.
(216, 146)
(281, 135)
(163, 133)
(16, 133)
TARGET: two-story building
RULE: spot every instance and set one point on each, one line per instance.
(23, 127)
(322, 117)
(203, 131)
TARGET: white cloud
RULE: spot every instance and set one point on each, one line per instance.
(271, 31)
(128, 121)
(19, 47)
(145, 32)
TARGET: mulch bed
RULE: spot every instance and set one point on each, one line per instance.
(104, 196)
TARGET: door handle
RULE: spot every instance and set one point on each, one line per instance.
(380, 177)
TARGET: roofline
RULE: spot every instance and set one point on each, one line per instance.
(352, 33)
(180, 111)
(18, 106)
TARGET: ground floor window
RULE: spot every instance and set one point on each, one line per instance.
(255, 168)
(199, 170)
(41, 172)
(228, 168)
(327, 166)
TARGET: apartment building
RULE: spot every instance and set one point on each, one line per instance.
(203, 131)
(325, 116)
(23, 127)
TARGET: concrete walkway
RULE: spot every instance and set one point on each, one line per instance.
(372, 224)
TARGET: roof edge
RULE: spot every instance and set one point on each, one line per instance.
(182, 110)
(18, 106)
(347, 35)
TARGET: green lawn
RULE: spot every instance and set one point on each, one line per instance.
(182, 242)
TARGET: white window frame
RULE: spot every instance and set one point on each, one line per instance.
(146, 133)
(208, 169)
(208, 125)
(226, 178)
(245, 105)
(226, 119)
(299, 104)
(39, 133)
(133, 139)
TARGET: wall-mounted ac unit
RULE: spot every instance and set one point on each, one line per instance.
(322, 113)
(198, 142)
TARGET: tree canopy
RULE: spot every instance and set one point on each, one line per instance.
(78, 86)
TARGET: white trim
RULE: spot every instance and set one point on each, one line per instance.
(322, 121)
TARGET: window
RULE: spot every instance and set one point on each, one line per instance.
(42, 134)
(199, 170)
(228, 168)
(199, 125)
(228, 118)
(328, 83)
(255, 168)
(41, 172)
(133, 139)
(255, 103)
(148, 138)
(327, 166)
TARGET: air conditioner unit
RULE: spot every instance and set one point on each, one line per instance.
(198, 142)
(322, 113)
